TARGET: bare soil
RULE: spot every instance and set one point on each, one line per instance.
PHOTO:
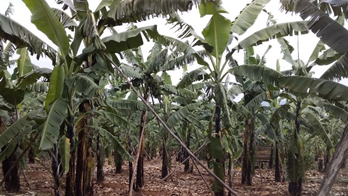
(36, 180)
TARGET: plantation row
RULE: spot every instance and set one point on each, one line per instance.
(109, 100)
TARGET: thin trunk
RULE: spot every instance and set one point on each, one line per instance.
(335, 164)
(90, 165)
(187, 162)
(140, 166)
(55, 169)
(100, 162)
(130, 166)
(70, 176)
(164, 158)
(219, 168)
(251, 163)
(31, 153)
(277, 163)
(230, 173)
(327, 158)
(118, 162)
(270, 162)
(246, 166)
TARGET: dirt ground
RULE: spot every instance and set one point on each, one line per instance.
(36, 180)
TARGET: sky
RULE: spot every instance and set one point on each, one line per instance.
(306, 42)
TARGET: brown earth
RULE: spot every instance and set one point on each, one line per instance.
(36, 180)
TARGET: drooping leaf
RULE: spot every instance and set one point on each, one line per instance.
(338, 70)
(67, 3)
(49, 131)
(336, 111)
(116, 119)
(130, 71)
(323, 88)
(105, 3)
(131, 105)
(114, 141)
(327, 57)
(194, 121)
(316, 127)
(83, 84)
(166, 78)
(278, 115)
(139, 10)
(156, 62)
(33, 76)
(315, 54)
(181, 114)
(328, 30)
(119, 42)
(14, 130)
(271, 32)
(12, 145)
(286, 49)
(12, 96)
(335, 3)
(248, 16)
(195, 75)
(22, 37)
(257, 73)
(65, 19)
(46, 21)
(261, 97)
(215, 147)
(89, 29)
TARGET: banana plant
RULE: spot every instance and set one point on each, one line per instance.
(15, 94)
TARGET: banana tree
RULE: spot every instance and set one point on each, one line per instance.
(14, 92)
(336, 71)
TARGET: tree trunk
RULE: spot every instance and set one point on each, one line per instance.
(83, 152)
(140, 166)
(246, 166)
(251, 165)
(187, 162)
(70, 176)
(295, 187)
(270, 162)
(90, 167)
(55, 169)
(335, 164)
(327, 159)
(230, 173)
(164, 158)
(12, 182)
(118, 162)
(277, 164)
(100, 162)
(31, 153)
(219, 168)
(130, 165)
